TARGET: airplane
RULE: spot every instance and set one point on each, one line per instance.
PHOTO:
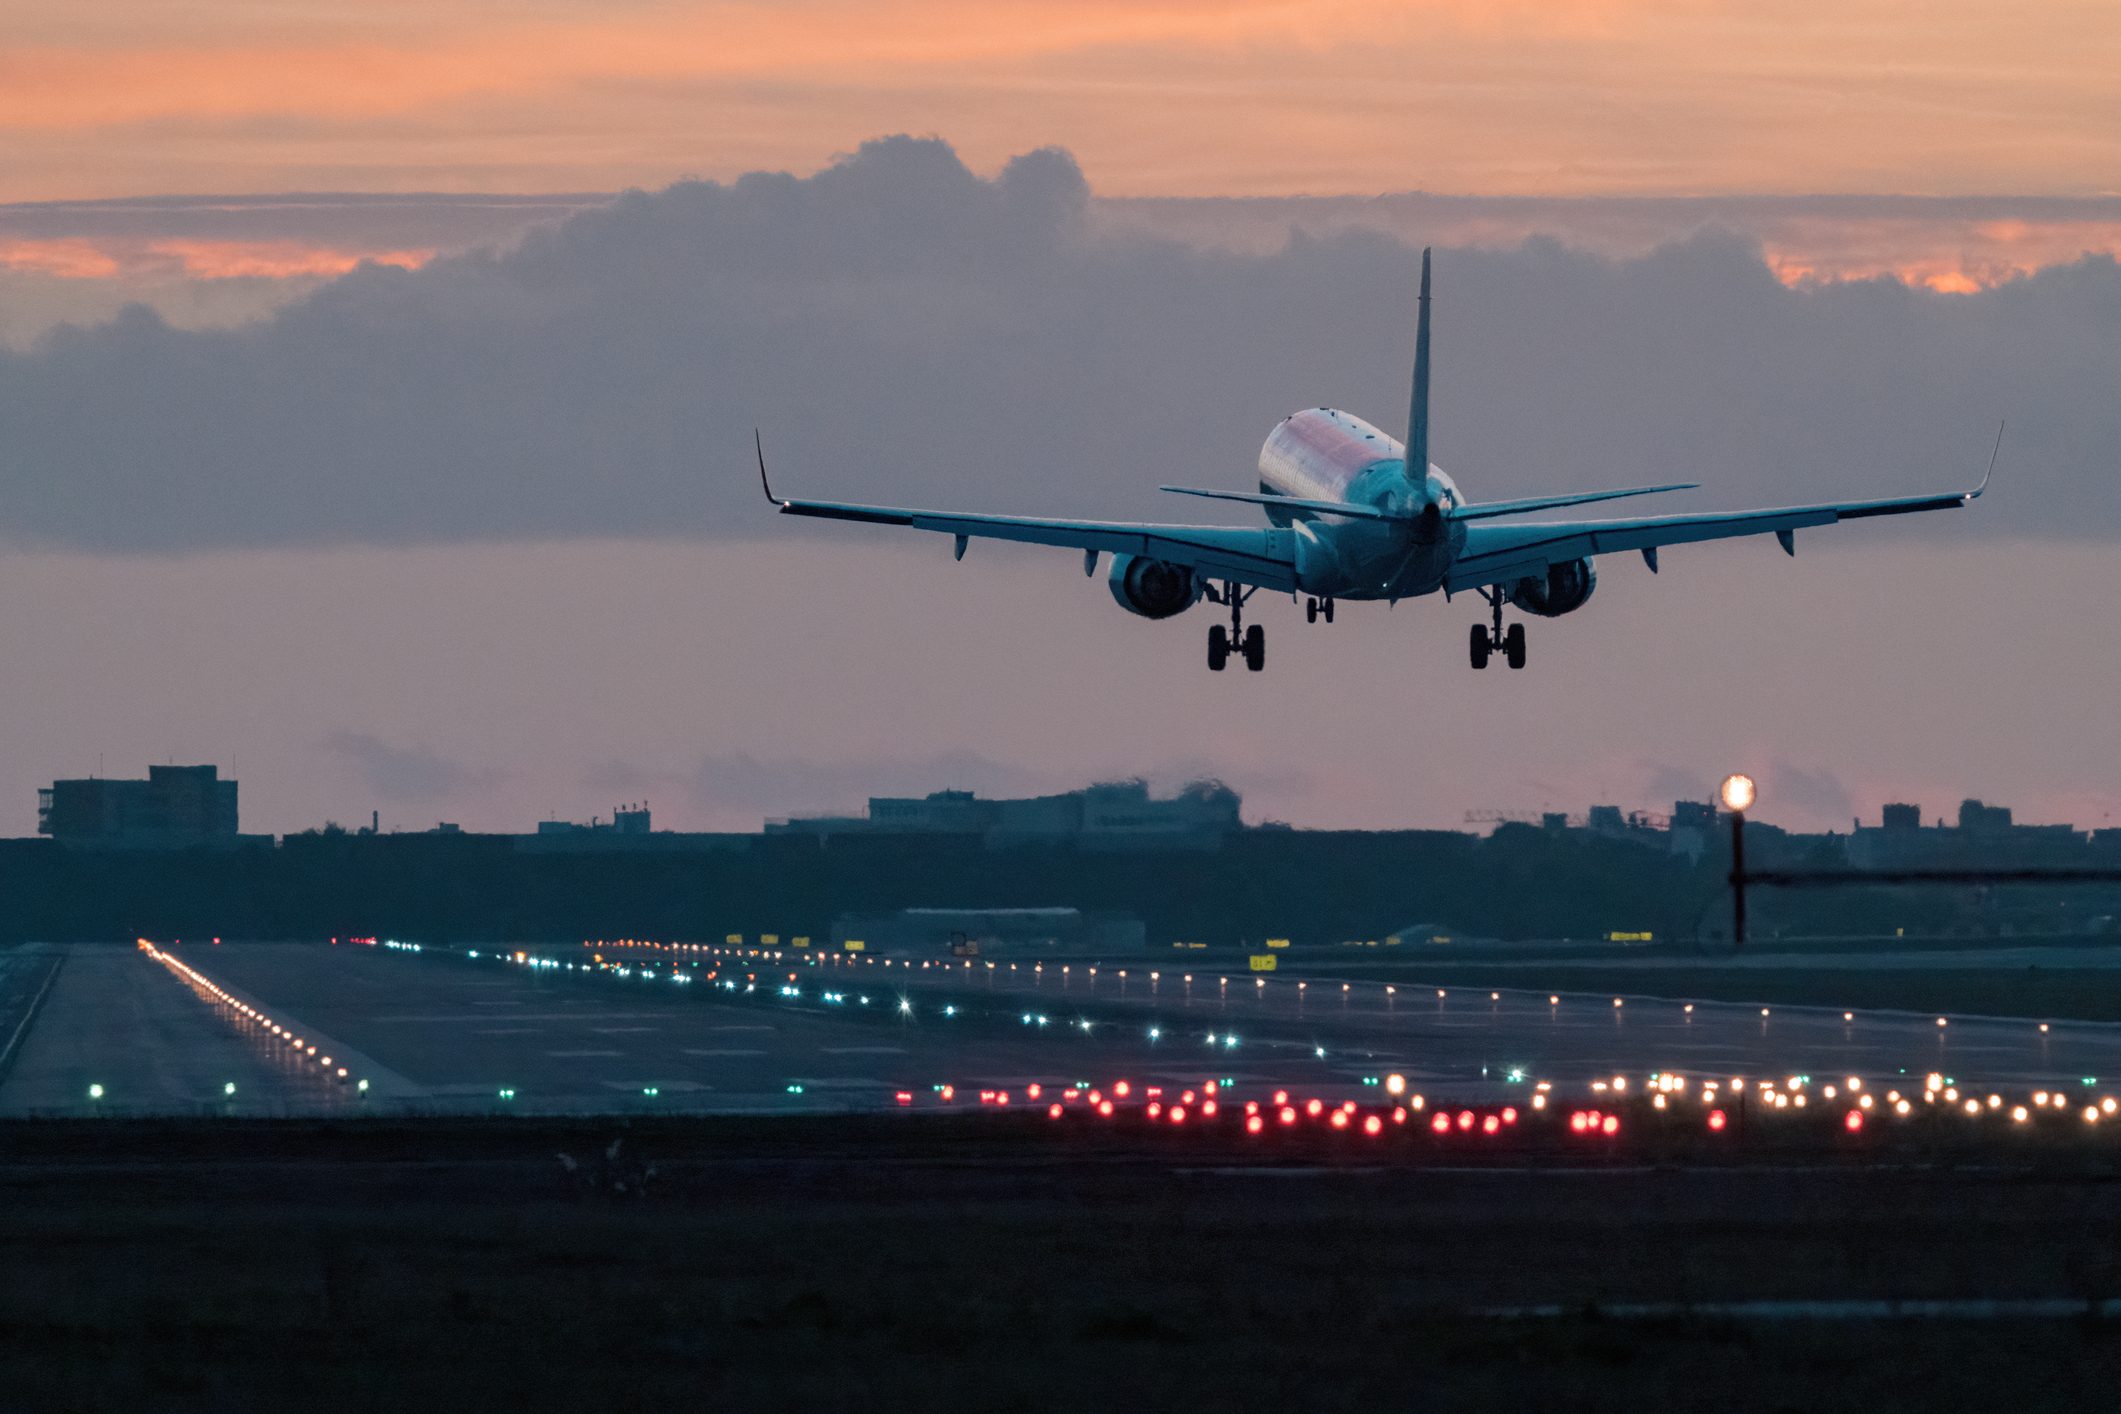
(1348, 521)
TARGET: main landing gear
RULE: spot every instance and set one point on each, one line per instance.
(1316, 608)
(1250, 643)
(1486, 639)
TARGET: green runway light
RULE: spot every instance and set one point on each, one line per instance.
(229, 1088)
(797, 1089)
(95, 1092)
(508, 1094)
(1516, 1075)
(362, 1087)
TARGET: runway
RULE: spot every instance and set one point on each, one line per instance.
(552, 1031)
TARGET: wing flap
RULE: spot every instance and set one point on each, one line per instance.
(1499, 554)
(1263, 557)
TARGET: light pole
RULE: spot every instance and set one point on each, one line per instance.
(1738, 793)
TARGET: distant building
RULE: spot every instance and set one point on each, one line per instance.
(972, 932)
(1976, 818)
(1118, 814)
(176, 806)
(1987, 836)
(626, 820)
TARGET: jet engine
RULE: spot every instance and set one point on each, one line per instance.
(1561, 590)
(1155, 589)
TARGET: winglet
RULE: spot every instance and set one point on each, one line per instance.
(1975, 494)
(760, 446)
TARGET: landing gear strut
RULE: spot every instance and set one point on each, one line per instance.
(1315, 608)
(1251, 642)
(1489, 638)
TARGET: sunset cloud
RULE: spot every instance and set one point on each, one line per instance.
(1177, 97)
(907, 330)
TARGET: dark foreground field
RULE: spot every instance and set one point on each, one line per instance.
(988, 1264)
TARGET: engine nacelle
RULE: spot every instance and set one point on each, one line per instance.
(1155, 589)
(1561, 590)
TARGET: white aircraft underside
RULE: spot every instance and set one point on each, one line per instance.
(1349, 522)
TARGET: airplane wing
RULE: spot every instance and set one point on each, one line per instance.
(1265, 557)
(1502, 554)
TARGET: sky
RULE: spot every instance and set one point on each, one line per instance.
(376, 386)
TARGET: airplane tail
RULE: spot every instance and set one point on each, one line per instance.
(1418, 406)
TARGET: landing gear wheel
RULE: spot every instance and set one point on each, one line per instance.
(1513, 645)
(1478, 641)
(1325, 606)
(1218, 648)
(1310, 611)
(1255, 648)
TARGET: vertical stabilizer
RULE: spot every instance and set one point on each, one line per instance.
(1418, 409)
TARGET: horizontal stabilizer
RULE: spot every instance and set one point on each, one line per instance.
(1486, 510)
(1290, 503)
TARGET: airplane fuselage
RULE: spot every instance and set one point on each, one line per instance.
(1324, 454)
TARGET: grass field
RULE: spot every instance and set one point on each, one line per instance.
(934, 1266)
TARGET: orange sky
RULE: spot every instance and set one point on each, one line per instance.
(1156, 97)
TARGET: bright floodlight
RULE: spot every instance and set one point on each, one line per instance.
(1738, 793)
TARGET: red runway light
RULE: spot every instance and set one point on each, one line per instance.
(1287, 1115)
(1314, 1107)
(1254, 1124)
(1154, 1109)
(1186, 1098)
(1207, 1109)
(1001, 1097)
(1465, 1119)
(1251, 1107)
(1491, 1125)
(904, 1097)
(1340, 1119)
(1717, 1119)
(948, 1092)
(1612, 1124)
(1178, 1114)
(1399, 1115)
(1373, 1126)
(1509, 1114)
(1281, 1097)
(1579, 1122)
(1854, 1121)
(1053, 1111)
(1104, 1110)
(1031, 1092)
(1121, 1088)
(1441, 1124)
(1096, 1097)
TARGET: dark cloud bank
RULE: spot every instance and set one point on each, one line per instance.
(905, 330)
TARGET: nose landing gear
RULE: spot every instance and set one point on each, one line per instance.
(1487, 639)
(1249, 643)
(1316, 608)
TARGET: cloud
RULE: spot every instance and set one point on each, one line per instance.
(400, 775)
(1813, 795)
(904, 330)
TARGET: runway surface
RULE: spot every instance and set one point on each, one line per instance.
(553, 1032)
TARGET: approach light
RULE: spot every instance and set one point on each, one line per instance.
(1738, 793)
